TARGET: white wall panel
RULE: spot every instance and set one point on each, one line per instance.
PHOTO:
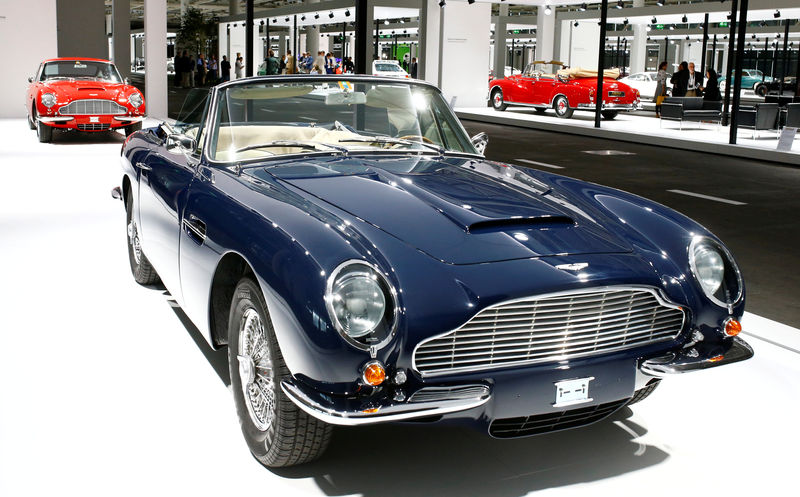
(464, 36)
(23, 52)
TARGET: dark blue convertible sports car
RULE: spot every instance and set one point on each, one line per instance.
(364, 263)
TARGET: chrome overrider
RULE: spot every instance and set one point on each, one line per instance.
(693, 359)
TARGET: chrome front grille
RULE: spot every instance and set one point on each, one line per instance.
(95, 107)
(442, 394)
(550, 328)
(94, 127)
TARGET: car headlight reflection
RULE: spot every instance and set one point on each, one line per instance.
(48, 99)
(361, 304)
(136, 100)
(715, 271)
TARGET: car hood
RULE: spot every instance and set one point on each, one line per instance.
(456, 210)
(78, 89)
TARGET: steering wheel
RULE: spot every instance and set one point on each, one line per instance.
(421, 138)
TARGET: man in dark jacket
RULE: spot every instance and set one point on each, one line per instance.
(680, 80)
(695, 82)
(225, 67)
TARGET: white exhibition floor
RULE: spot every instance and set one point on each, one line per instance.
(105, 392)
(644, 125)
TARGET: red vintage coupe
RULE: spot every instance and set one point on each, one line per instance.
(84, 95)
(563, 90)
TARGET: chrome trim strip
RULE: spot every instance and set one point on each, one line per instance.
(130, 119)
(397, 412)
(662, 300)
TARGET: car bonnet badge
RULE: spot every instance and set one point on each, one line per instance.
(577, 266)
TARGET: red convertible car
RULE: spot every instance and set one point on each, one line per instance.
(84, 95)
(564, 91)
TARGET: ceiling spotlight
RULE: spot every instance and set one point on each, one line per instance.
(777, 14)
(620, 4)
(548, 10)
(762, 23)
(330, 15)
(576, 24)
(347, 13)
(753, 37)
(316, 16)
(262, 22)
(274, 20)
(687, 37)
(625, 21)
(583, 7)
(671, 26)
(402, 21)
(684, 19)
(470, 2)
(303, 17)
(287, 19)
(442, 3)
(653, 21)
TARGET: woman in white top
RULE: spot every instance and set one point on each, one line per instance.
(239, 67)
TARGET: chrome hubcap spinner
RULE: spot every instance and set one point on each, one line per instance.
(133, 239)
(255, 370)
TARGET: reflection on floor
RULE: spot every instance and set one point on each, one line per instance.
(104, 389)
(641, 124)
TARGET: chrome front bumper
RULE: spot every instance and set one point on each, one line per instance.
(351, 413)
(689, 360)
(129, 119)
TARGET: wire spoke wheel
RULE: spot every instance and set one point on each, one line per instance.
(133, 239)
(256, 370)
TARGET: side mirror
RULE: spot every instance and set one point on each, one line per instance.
(480, 141)
(127, 81)
(30, 79)
(185, 143)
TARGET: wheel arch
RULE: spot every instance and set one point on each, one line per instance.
(560, 94)
(231, 268)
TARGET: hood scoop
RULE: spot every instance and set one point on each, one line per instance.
(91, 88)
(511, 224)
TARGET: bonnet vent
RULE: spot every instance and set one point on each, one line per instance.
(493, 225)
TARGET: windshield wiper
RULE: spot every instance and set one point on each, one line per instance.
(292, 143)
(390, 140)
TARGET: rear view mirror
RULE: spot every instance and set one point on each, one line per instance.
(480, 141)
(346, 98)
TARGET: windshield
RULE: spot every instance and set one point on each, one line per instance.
(81, 69)
(268, 119)
(387, 67)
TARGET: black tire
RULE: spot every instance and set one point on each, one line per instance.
(32, 119)
(291, 436)
(644, 392)
(760, 90)
(562, 108)
(609, 115)
(133, 128)
(142, 271)
(497, 100)
(44, 132)
(541, 110)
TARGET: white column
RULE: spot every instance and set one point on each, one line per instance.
(638, 45)
(463, 56)
(312, 35)
(500, 29)
(233, 7)
(155, 65)
(429, 29)
(121, 32)
(545, 34)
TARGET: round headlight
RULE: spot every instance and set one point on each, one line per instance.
(135, 99)
(361, 304)
(715, 271)
(48, 99)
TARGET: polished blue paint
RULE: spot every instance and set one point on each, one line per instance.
(453, 234)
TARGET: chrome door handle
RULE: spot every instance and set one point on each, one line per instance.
(143, 166)
(195, 228)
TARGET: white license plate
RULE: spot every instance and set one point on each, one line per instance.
(571, 392)
(94, 119)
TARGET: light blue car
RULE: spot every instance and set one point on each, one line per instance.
(752, 79)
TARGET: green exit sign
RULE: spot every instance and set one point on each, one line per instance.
(659, 26)
(723, 24)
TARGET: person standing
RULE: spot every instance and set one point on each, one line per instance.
(661, 87)
(239, 65)
(192, 65)
(349, 67)
(273, 66)
(711, 90)
(291, 64)
(282, 67)
(695, 82)
(225, 67)
(185, 63)
(680, 80)
(200, 78)
(330, 63)
(213, 67)
(413, 72)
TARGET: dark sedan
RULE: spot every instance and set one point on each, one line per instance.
(363, 262)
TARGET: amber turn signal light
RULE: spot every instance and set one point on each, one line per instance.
(732, 327)
(374, 373)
